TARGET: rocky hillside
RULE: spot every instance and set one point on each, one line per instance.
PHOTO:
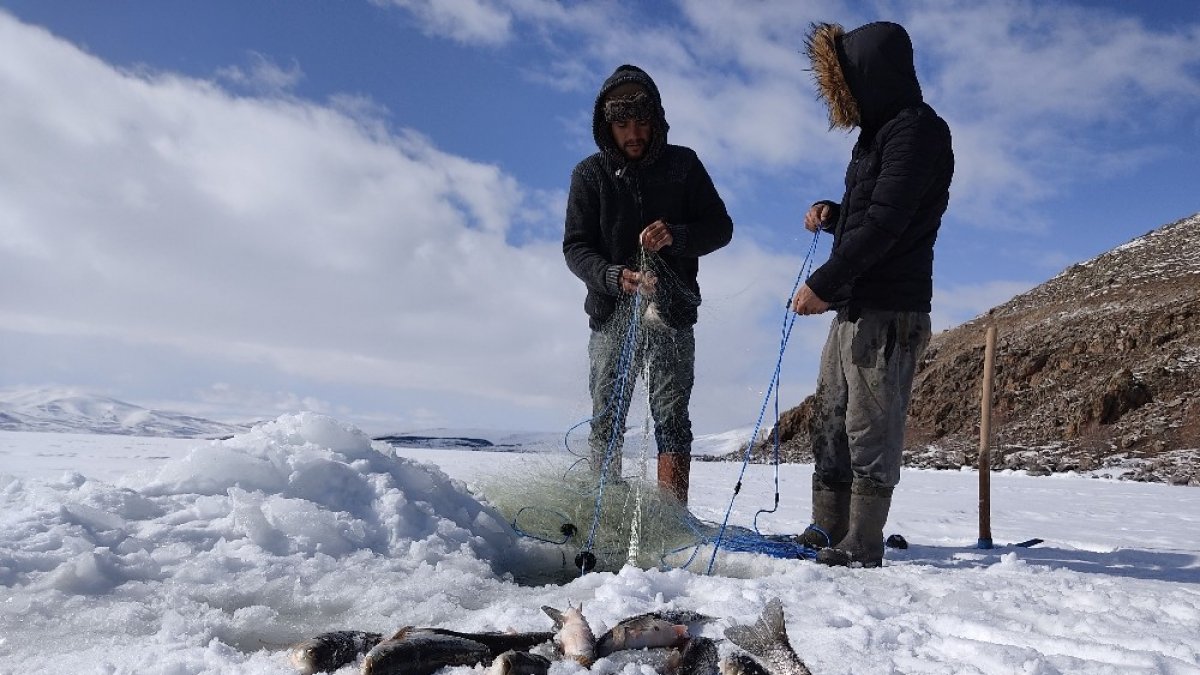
(1097, 370)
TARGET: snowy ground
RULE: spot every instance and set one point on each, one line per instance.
(135, 555)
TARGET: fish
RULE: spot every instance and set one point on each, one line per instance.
(422, 652)
(497, 642)
(573, 636)
(700, 657)
(653, 629)
(685, 616)
(739, 663)
(663, 660)
(513, 662)
(652, 316)
(768, 643)
(327, 652)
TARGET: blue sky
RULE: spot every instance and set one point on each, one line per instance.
(245, 208)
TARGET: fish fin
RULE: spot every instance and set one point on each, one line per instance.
(745, 637)
(674, 661)
(554, 615)
(401, 633)
(769, 629)
(772, 623)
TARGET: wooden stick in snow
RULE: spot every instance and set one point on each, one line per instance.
(985, 442)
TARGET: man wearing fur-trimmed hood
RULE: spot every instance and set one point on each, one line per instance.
(640, 213)
(879, 279)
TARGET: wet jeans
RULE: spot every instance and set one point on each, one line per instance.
(669, 355)
(863, 390)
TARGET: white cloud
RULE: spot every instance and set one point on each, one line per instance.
(1024, 61)
(1025, 86)
(1028, 88)
(1035, 94)
(953, 305)
(272, 235)
(263, 75)
(467, 21)
(746, 291)
(222, 400)
(313, 241)
(162, 210)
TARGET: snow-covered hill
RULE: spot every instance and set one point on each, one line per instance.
(66, 410)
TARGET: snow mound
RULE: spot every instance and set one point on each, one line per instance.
(301, 487)
(307, 483)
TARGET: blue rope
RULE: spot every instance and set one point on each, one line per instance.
(744, 541)
(788, 321)
(628, 349)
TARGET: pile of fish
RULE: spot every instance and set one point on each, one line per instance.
(662, 640)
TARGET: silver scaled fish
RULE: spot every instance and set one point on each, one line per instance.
(573, 636)
(514, 662)
(768, 643)
(642, 632)
(327, 652)
(418, 652)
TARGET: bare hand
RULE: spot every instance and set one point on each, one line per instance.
(656, 236)
(807, 302)
(816, 217)
(633, 282)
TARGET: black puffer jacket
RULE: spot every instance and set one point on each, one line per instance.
(898, 181)
(612, 200)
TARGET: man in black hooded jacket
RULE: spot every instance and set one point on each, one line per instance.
(879, 279)
(640, 213)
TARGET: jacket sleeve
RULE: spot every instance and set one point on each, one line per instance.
(709, 226)
(581, 234)
(835, 211)
(909, 163)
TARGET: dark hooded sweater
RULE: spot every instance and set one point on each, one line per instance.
(613, 199)
(898, 181)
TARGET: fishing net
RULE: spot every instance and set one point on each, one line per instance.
(628, 521)
(602, 504)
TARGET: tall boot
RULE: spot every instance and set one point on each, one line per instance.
(830, 514)
(863, 543)
(674, 469)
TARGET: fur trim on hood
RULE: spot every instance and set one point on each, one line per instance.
(821, 46)
(867, 75)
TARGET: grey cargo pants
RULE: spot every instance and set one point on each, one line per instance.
(671, 356)
(863, 390)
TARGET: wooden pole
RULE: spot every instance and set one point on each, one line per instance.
(985, 442)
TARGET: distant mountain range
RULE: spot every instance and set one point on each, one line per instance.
(704, 447)
(475, 439)
(69, 411)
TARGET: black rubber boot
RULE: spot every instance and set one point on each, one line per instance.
(863, 544)
(830, 514)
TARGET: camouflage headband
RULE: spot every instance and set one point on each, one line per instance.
(636, 106)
